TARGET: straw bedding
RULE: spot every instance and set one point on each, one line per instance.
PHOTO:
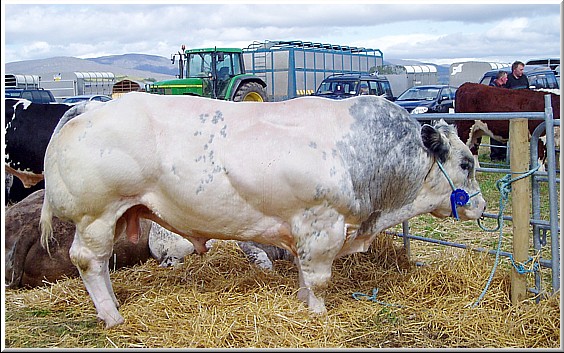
(220, 300)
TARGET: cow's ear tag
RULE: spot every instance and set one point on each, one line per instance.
(458, 197)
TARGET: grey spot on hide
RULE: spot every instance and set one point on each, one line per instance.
(217, 117)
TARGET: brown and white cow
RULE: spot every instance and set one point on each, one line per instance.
(479, 98)
(317, 177)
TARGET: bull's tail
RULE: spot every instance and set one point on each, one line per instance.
(45, 223)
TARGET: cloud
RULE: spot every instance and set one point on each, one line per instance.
(400, 31)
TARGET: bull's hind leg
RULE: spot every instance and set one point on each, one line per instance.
(90, 253)
(320, 234)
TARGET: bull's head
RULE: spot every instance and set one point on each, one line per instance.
(451, 186)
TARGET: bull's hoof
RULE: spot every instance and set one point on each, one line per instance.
(112, 321)
(317, 307)
(303, 295)
(314, 304)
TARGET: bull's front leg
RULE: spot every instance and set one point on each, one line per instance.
(320, 234)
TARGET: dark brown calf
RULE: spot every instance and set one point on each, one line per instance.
(478, 98)
(28, 264)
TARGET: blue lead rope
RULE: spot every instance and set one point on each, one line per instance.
(459, 197)
(504, 187)
(358, 296)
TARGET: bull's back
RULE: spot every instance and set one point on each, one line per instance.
(168, 151)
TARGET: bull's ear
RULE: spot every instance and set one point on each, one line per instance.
(435, 142)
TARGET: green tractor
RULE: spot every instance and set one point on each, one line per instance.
(214, 73)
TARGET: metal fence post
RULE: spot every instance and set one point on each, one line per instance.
(553, 199)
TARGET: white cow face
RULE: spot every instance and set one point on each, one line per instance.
(453, 170)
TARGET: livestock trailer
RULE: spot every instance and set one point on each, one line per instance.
(22, 81)
(403, 77)
(471, 71)
(296, 68)
(125, 86)
(68, 84)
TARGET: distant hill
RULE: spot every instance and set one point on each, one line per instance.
(139, 67)
(142, 62)
(133, 66)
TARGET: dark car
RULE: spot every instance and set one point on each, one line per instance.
(427, 99)
(37, 95)
(540, 77)
(87, 97)
(342, 86)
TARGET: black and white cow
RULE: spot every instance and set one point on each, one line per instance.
(317, 177)
(28, 128)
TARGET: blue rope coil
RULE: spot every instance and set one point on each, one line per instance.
(359, 296)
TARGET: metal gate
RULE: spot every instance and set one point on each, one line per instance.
(541, 227)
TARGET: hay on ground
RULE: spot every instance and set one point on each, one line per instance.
(220, 300)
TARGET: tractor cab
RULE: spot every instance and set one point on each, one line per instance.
(214, 68)
(214, 73)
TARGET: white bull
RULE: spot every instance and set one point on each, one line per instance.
(317, 177)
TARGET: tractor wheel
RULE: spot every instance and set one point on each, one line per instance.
(250, 92)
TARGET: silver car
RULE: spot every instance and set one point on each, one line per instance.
(87, 97)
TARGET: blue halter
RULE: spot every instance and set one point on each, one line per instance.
(458, 197)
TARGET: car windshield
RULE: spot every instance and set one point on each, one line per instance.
(75, 99)
(419, 93)
(13, 94)
(338, 87)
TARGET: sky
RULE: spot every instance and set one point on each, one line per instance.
(436, 32)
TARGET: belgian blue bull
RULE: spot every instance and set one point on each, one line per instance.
(317, 177)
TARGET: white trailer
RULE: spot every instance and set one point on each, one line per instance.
(471, 71)
(296, 68)
(68, 84)
(22, 81)
(403, 77)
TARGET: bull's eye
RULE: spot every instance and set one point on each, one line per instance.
(466, 165)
